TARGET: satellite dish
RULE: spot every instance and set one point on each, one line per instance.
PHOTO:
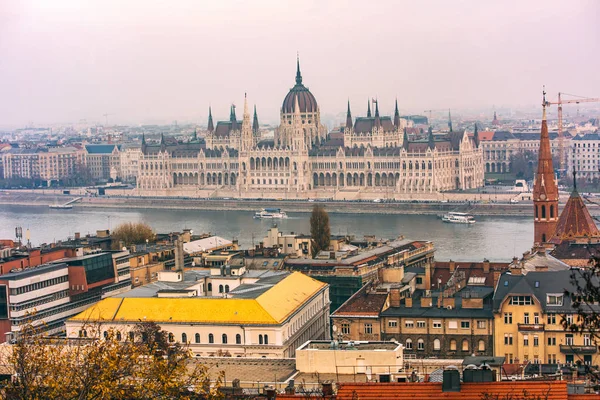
(334, 328)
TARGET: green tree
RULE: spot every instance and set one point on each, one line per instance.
(129, 233)
(319, 229)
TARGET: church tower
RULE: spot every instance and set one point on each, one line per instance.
(545, 190)
(247, 136)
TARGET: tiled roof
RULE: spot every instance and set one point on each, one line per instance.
(363, 303)
(575, 222)
(366, 124)
(441, 271)
(485, 135)
(550, 390)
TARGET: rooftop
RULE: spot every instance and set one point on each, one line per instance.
(205, 244)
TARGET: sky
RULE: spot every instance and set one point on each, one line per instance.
(149, 61)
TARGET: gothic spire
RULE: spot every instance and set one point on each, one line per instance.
(348, 117)
(449, 121)
(195, 135)
(255, 125)
(368, 109)
(211, 127)
(233, 118)
(431, 141)
(298, 74)
(396, 116)
(476, 136)
(377, 120)
(405, 139)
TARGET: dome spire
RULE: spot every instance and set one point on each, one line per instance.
(298, 74)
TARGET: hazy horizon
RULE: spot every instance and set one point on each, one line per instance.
(63, 61)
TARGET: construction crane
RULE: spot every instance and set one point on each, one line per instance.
(559, 103)
(106, 118)
(431, 111)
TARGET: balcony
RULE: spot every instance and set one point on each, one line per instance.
(531, 327)
(573, 349)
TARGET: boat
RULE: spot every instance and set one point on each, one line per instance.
(458, 218)
(61, 206)
(270, 213)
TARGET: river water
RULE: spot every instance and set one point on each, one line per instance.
(494, 238)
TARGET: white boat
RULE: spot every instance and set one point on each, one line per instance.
(458, 218)
(270, 213)
(61, 206)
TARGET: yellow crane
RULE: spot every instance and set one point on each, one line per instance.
(559, 103)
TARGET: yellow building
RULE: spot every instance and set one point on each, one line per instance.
(269, 317)
(528, 310)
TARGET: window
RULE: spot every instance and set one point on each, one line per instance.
(118, 336)
(346, 329)
(211, 338)
(481, 345)
(569, 319)
(508, 358)
(197, 338)
(409, 344)
(220, 288)
(452, 345)
(536, 318)
(224, 338)
(183, 338)
(392, 324)
(508, 318)
(569, 339)
(369, 328)
(465, 345)
(419, 280)
(481, 324)
(521, 300)
(238, 339)
(226, 288)
(551, 319)
(260, 339)
(465, 324)
(526, 318)
(420, 324)
(551, 358)
(551, 341)
(554, 300)
(131, 336)
(409, 324)
(437, 344)
(525, 340)
(266, 338)
(452, 325)
(437, 324)
(508, 339)
(420, 345)
(171, 337)
(586, 340)
(210, 287)
(536, 341)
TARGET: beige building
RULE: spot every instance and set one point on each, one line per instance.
(269, 317)
(103, 161)
(292, 244)
(375, 159)
(129, 163)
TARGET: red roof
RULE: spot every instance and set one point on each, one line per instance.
(485, 135)
(575, 222)
(441, 271)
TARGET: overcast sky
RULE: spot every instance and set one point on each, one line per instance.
(157, 61)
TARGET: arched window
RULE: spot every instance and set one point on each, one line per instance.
(226, 288)
(437, 345)
(481, 345)
(211, 338)
(266, 338)
(551, 211)
(238, 339)
(452, 345)
(420, 345)
(536, 212)
(465, 345)
(197, 338)
(220, 288)
(171, 337)
(105, 334)
(260, 339)
(543, 211)
(408, 344)
(183, 338)
(210, 287)
(131, 336)
(224, 339)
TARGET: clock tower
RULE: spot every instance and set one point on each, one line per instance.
(545, 189)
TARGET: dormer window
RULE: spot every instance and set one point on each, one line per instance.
(554, 300)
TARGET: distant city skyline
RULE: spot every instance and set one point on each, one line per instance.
(156, 62)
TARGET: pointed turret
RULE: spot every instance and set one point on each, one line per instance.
(377, 119)
(163, 144)
(545, 190)
(476, 136)
(495, 121)
(255, 125)
(431, 140)
(449, 121)
(211, 127)
(233, 118)
(195, 135)
(348, 117)
(405, 140)
(298, 74)
(143, 143)
(396, 116)
(368, 109)
(247, 141)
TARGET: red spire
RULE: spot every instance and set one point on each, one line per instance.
(545, 190)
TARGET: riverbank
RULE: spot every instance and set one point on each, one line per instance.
(523, 209)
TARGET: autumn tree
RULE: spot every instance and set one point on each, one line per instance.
(319, 229)
(105, 366)
(129, 233)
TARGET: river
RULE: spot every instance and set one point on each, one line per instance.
(494, 238)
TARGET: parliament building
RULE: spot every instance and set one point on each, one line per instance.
(374, 158)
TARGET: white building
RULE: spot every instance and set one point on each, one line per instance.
(584, 156)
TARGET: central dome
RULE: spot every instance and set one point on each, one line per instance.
(306, 100)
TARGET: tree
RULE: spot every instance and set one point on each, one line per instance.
(129, 233)
(319, 229)
(105, 367)
(523, 164)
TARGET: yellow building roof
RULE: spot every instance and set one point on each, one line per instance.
(271, 307)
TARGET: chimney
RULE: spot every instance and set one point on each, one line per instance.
(486, 266)
(332, 255)
(452, 265)
(394, 297)
(516, 271)
(541, 268)
(270, 393)
(179, 255)
(496, 277)
(327, 389)
(77, 235)
(408, 302)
